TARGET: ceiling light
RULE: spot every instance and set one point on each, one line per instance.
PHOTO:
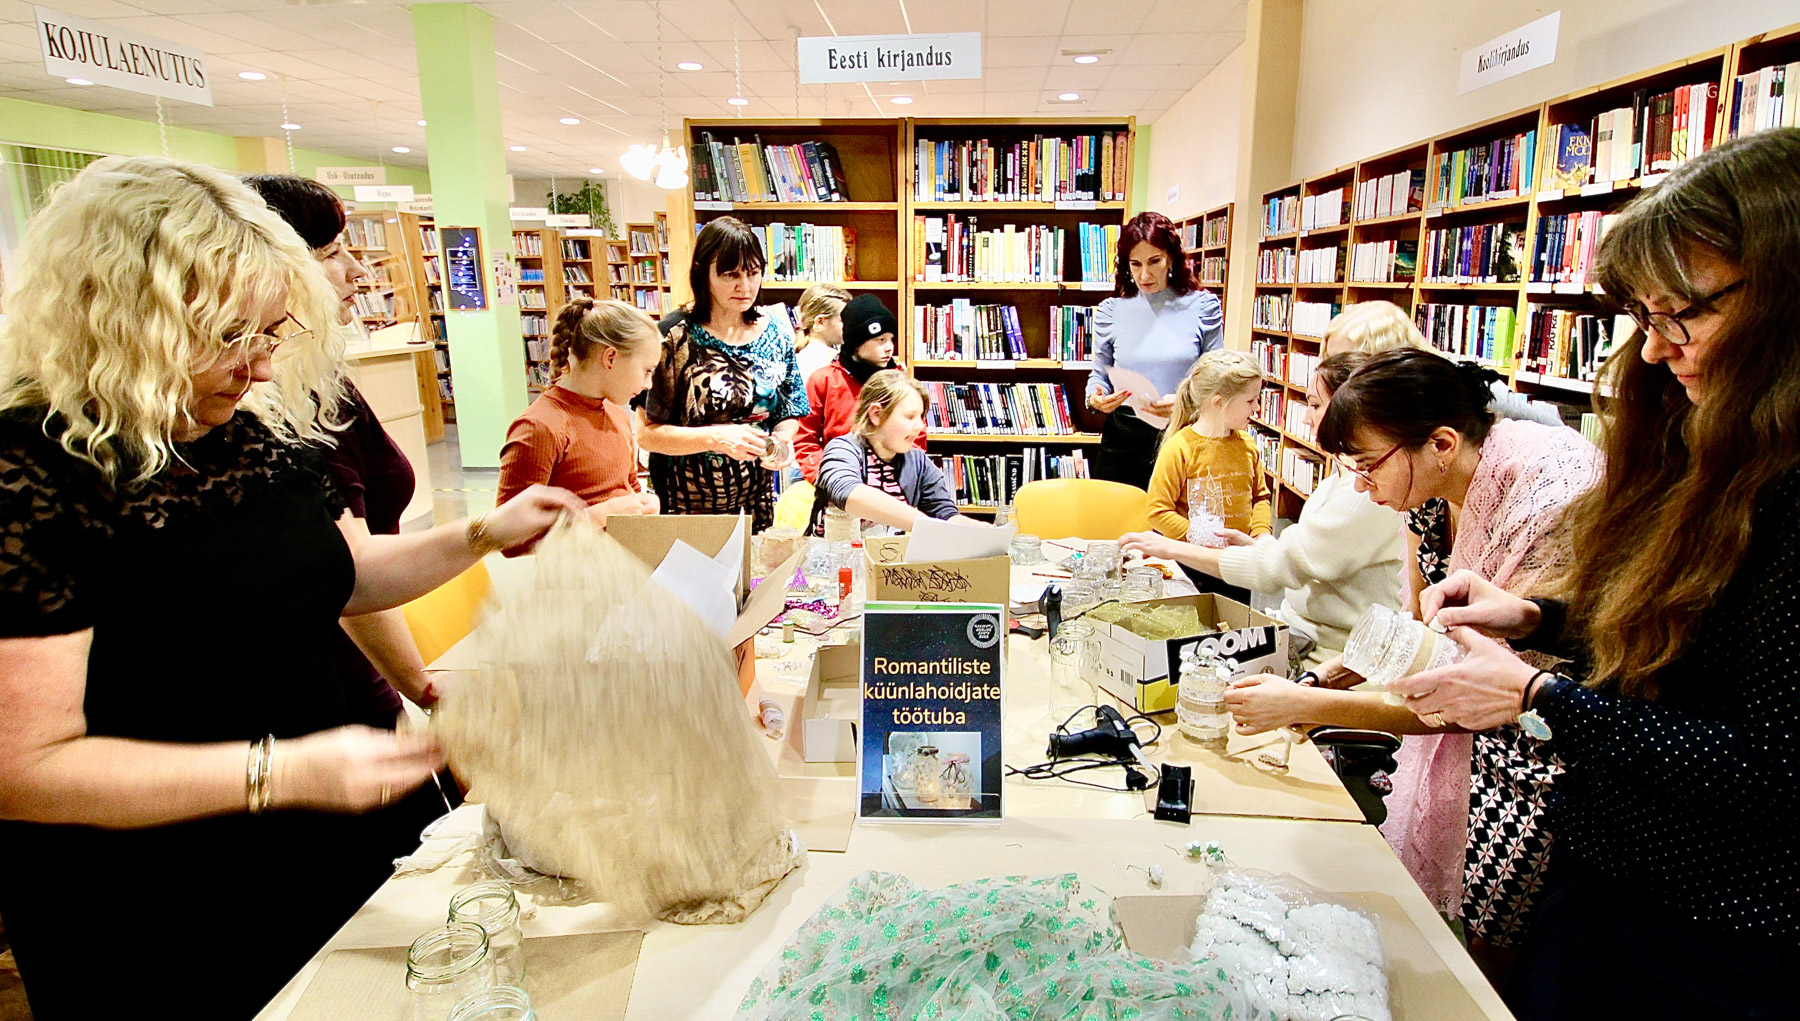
(639, 161)
(515, 148)
(78, 81)
(290, 126)
(1087, 58)
(595, 170)
(689, 65)
(1069, 97)
(738, 101)
(901, 100)
(401, 149)
(252, 76)
(420, 123)
(571, 121)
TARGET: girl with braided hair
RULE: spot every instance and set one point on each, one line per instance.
(579, 432)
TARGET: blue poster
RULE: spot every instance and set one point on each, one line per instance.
(931, 683)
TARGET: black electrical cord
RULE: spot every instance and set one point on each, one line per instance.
(1062, 769)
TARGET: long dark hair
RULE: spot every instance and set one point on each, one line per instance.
(1160, 231)
(1405, 395)
(313, 210)
(1329, 375)
(1669, 523)
(727, 243)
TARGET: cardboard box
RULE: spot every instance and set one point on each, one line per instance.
(982, 580)
(831, 709)
(1151, 669)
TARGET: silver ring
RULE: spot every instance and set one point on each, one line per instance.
(1434, 719)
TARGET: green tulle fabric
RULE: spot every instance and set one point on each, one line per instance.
(1013, 948)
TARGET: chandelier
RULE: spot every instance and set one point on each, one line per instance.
(668, 165)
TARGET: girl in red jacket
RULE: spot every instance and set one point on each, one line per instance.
(869, 331)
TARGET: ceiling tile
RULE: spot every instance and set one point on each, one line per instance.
(1026, 17)
(1034, 51)
(1101, 16)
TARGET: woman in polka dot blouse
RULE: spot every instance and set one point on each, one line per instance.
(1675, 883)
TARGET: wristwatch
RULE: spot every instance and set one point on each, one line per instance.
(1529, 719)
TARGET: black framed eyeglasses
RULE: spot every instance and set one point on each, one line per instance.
(1672, 326)
(1366, 474)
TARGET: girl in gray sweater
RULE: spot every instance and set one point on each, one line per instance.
(876, 473)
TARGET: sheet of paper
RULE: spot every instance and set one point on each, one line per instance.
(1027, 593)
(1142, 393)
(731, 555)
(934, 540)
(701, 583)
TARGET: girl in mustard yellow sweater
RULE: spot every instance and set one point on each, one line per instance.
(1205, 438)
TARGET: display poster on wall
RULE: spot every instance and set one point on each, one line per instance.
(349, 176)
(506, 282)
(826, 59)
(930, 735)
(120, 58)
(463, 284)
(1516, 52)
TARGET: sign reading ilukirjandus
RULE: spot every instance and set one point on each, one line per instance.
(829, 59)
(78, 48)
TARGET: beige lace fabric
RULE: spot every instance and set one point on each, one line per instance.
(608, 738)
(1508, 533)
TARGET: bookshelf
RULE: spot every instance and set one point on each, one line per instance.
(389, 295)
(1206, 240)
(418, 239)
(646, 260)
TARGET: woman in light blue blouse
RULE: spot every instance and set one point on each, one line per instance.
(726, 398)
(1155, 327)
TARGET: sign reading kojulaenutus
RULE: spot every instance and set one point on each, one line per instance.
(826, 59)
(105, 55)
(931, 683)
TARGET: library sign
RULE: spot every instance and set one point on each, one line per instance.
(828, 59)
(1516, 52)
(106, 55)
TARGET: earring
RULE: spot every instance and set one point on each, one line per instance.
(1442, 468)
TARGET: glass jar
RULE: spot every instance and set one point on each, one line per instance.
(1003, 515)
(928, 784)
(1105, 556)
(1027, 550)
(1074, 672)
(779, 449)
(1078, 596)
(1206, 512)
(501, 1003)
(820, 572)
(840, 526)
(494, 907)
(1387, 645)
(446, 965)
(1200, 711)
(1140, 584)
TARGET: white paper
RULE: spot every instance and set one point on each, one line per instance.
(1027, 593)
(934, 540)
(731, 556)
(1143, 392)
(702, 585)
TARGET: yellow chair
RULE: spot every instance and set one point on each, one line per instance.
(794, 508)
(442, 617)
(1080, 508)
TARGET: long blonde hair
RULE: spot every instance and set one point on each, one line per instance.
(584, 324)
(1371, 327)
(884, 390)
(819, 302)
(1217, 374)
(133, 278)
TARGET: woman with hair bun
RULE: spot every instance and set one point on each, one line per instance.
(1156, 326)
(578, 434)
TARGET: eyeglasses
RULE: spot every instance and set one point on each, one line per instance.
(252, 346)
(1672, 326)
(1366, 474)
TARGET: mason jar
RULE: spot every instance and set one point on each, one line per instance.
(446, 965)
(1387, 645)
(1074, 666)
(494, 907)
(928, 785)
(501, 1003)
(1206, 512)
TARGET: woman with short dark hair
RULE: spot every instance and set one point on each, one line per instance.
(727, 391)
(1155, 327)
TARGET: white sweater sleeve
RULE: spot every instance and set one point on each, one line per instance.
(1340, 532)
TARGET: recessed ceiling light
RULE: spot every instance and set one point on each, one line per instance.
(738, 101)
(571, 121)
(515, 148)
(290, 126)
(252, 76)
(689, 65)
(595, 170)
(1069, 97)
(419, 123)
(1087, 58)
(900, 100)
(401, 148)
(78, 81)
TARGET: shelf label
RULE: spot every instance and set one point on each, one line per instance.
(1079, 205)
(995, 364)
(845, 59)
(530, 212)
(348, 176)
(568, 220)
(717, 207)
(1598, 188)
(1096, 285)
(1652, 180)
(384, 193)
(1550, 196)
(1084, 366)
(1570, 288)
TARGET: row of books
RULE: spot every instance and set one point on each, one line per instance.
(439, 331)
(531, 274)
(1270, 312)
(538, 374)
(1656, 133)
(1210, 269)
(741, 171)
(1217, 232)
(577, 274)
(537, 349)
(975, 409)
(1501, 168)
(963, 330)
(954, 249)
(648, 299)
(532, 299)
(643, 242)
(1271, 405)
(990, 480)
(1395, 194)
(534, 325)
(1384, 262)
(529, 244)
(372, 305)
(1072, 333)
(365, 232)
(1481, 332)
(1099, 242)
(1759, 100)
(1271, 355)
(1190, 235)
(1300, 366)
(1561, 342)
(806, 251)
(643, 273)
(1485, 253)
(1045, 168)
(1326, 209)
(1295, 424)
(1281, 215)
(1268, 446)
(1566, 245)
(1312, 318)
(576, 249)
(1303, 469)
(1321, 265)
(442, 356)
(1276, 266)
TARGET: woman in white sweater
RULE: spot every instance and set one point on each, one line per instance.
(1341, 556)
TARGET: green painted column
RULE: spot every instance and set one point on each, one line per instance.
(1140, 173)
(461, 93)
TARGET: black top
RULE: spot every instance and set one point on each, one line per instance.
(212, 593)
(376, 480)
(1692, 801)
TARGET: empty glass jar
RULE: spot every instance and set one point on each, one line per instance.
(493, 906)
(1074, 671)
(1140, 584)
(1206, 512)
(1077, 597)
(1027, 550)
(446, 965)
(1387, 645)
(1104, 555)
(501, 1003)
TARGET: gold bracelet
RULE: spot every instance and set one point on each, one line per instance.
(259, 772)
(479, 539)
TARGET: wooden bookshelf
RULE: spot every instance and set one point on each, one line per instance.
(389, 295)
(617, 265)
(1206, 240)
(541, 295)
(416, 237)
(644, 261)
